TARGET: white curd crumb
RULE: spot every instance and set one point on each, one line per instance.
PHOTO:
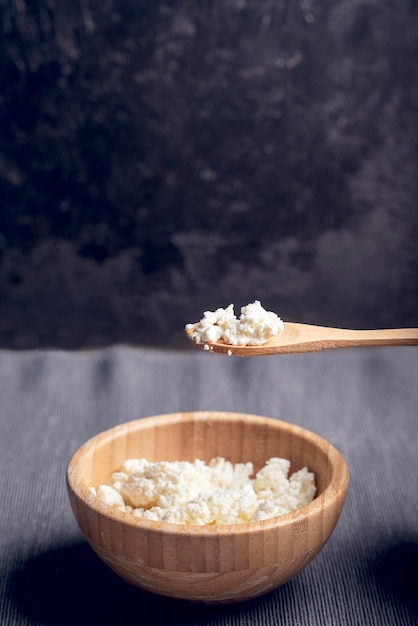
(255, 326)
(111, 496)
(197, 493)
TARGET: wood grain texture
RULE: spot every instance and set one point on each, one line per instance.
(210, 564)
(308, 338)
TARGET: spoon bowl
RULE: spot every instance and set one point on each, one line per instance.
(308, 338)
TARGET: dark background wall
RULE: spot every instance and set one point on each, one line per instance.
(162, 158)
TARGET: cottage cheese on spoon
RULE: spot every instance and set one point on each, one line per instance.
(255, 326)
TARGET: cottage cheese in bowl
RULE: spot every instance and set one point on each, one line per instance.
(196, 493)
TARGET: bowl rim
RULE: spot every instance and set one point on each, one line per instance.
(338, 482)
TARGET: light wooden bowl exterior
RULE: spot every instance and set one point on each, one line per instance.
(211, 564)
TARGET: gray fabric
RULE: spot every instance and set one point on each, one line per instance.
(364, 401)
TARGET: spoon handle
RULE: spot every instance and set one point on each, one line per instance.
(308, 338)
(380, 337)
(376, 337)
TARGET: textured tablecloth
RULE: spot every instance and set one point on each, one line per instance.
(365, 401)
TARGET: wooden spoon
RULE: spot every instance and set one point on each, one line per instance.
(308, 338)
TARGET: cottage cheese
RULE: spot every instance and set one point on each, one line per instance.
(197, 493)
(255, 326)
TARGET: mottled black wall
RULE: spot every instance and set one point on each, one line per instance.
(162, 158)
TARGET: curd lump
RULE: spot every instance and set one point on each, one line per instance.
(197, 493)
(255, 326)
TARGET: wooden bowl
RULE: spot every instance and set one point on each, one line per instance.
(210, 564)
